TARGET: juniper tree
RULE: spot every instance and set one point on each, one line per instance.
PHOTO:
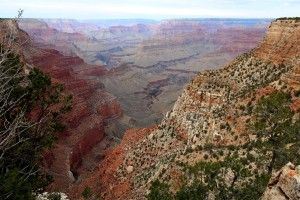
(30, 110)
(277, 128)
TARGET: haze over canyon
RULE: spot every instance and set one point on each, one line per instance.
(146, 64)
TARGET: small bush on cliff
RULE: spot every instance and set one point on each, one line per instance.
(159, 191)
(87, 192)
(297, 93)
(30, 109)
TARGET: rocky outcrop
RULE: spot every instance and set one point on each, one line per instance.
(284, 184)
(109, 109)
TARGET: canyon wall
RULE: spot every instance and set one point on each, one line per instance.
(94, 110)
(85, 122)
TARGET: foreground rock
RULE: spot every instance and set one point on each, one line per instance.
(284, 184)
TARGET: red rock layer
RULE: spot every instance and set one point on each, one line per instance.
(279, 44)
(85, 125)
(241, 39)
(106, 174)
(95, 71)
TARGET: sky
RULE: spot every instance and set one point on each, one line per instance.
(150, 9)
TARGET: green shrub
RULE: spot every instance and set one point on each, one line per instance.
(87, 192)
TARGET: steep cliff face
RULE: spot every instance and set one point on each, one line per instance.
(278, 45)
(86, 122)
(209, 117)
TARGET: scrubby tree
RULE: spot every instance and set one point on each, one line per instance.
(30, 110)
(159, 191)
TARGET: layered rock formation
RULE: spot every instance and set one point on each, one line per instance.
(177, 51)
(92, 106)
(209, 117)
(281, 35)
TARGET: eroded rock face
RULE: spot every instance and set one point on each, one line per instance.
(210, 101)
(284, 184)
(45, 37)
(85, 125)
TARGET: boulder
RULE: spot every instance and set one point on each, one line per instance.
(129, 169)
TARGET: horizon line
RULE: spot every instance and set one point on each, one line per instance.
(152, 19)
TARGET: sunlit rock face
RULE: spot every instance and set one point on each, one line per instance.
(147, 73)
(281, 43)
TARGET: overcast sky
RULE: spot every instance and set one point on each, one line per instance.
(149, 9)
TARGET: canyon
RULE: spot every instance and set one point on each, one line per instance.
(167, 76)
(208, 124)
(148, 62)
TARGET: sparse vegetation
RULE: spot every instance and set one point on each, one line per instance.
(289, 18)
(30, 110)
(245, 172)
